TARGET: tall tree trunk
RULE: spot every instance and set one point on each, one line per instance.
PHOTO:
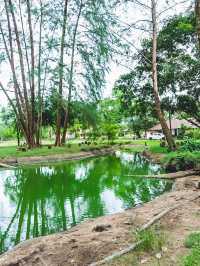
(32, 116)
(160, 114)
(39, 113)
(67, 113)
(19, 108)
(23, 76)
(60, 91)
(197, 13)
(25, 44)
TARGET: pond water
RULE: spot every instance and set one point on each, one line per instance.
(41, 200)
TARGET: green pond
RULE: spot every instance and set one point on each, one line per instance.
(41, 200)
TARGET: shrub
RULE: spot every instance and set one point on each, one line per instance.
(190, 145)
(193, 240)
(193, 133)
(7, 133)
(180, 163)
(193, 259)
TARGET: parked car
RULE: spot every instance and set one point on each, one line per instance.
(155, 135)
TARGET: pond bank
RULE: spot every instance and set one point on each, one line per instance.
(56, 157)
(96, 239)
(64, 156)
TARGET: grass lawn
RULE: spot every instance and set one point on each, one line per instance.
(11, 151)
(9, 148)
(152, 145)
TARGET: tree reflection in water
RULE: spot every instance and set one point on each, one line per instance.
(41, 200)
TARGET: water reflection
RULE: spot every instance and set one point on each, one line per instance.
(42, 200)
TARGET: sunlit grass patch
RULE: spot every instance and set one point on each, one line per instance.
(193, 259)
(151, 240)
(193, 242)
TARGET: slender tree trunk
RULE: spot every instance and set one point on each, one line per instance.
(23, 76)
(67, 113)
(60, 91)
(25, 44)
(39, 114)
(170, 120)
(197, 13)
(19, 109)
(18, 133)
(160, 114)
(32, 115)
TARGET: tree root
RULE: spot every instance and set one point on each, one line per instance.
(175, 175)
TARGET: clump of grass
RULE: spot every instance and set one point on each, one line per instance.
(193, 259)
(151, 240)
(193, 240)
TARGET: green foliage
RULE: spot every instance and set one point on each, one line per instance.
(189, 105)
(180, 163)
(109, 118)
(178, 70)
(7, 133)
(151, 240)
(193, 240)
(190, 145)
(193, 259)
(192, 134)
(110, 130)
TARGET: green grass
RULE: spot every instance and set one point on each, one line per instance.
(151, 145)
(8, 149)
(187, 155)
(152, 240)
(193, 259)
(11, 151)
(193, 242)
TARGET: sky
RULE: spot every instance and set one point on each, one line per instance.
(130, 13)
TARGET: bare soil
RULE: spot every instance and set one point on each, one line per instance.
(95, 239)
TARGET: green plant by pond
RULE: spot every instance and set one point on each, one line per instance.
(192, 242)
(40, 200)
(151, 240)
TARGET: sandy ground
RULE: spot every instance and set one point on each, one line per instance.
(95, 239)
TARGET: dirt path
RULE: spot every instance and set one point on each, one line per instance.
(95, 239)
(176, 226)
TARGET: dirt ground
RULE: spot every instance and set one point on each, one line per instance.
(95, 239)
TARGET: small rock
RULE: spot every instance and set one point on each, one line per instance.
(158, 256)
(144, 261)
(197, 184)
(128, 223)
(73, 240)
(164, 249)
(101, 227)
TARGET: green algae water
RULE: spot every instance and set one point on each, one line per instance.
(41, 200)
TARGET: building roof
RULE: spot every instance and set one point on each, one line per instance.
(175, 124)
